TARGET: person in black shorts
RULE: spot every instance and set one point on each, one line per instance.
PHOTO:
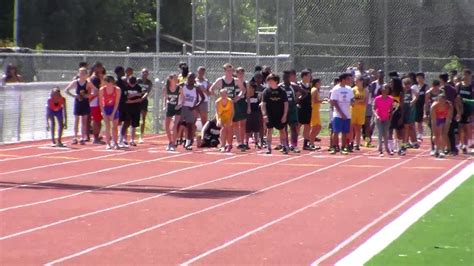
(304, 111)
(254, 115)
(420, 90)
(275, 111)
(147, 87)
(466, 91)
(132, 108)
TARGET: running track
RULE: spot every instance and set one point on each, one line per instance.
(85, 205)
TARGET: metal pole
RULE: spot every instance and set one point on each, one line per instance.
(385, 35)
(16, 34)
(231, 22)
(257, 20)
(156, 67)
(193, 32)
(206, 14)
(293, 29)
(276, 34)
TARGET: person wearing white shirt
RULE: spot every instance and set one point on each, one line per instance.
(342, 98)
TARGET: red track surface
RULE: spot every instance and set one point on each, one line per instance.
(146, 206)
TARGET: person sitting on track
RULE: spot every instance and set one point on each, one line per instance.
(109, 99)
(210, 134)
(441, 116)
(81, 103)
(56, 108)
(275, 111)
(224, 115)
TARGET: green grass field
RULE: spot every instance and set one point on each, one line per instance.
(444, 236)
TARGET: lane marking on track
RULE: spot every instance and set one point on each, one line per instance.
(83, 174)
(395, 228)
(363, 166)
(205, 209)
(55, 164)
(61, 157)
(287, 216)
(65, 150)
(55, 148)
(124, 204)
(424, 167)
(8, 155)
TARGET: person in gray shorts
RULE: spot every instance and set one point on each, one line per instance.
(191, 97)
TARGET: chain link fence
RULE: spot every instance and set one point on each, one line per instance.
(330, 35)
(22, 105)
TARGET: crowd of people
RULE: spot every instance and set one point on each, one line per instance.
(400, 107)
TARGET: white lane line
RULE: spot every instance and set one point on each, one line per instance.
(377, 242)
(124, 204)
(85, 191)
(69, 150)
(287, 216)
(202, 210)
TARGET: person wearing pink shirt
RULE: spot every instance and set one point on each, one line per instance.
(382, 108)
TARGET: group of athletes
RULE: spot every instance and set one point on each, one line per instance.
(249, 111)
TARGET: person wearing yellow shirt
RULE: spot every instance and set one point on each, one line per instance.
(224, 115)
(315, 113)
(358, 111)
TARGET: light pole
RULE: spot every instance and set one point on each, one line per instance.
(15, 22)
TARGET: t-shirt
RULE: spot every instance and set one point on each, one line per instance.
(146, 85)
(274, 100)
(450, 92)
(344, 97)
(383, 107)
(133, 93)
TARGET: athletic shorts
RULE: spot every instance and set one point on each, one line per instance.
(275, 122)
(409, 116)
(315, 118)
(292, 117)
(440, 122)
(358, 118)
(171, 111)
(466, 115)
(134, 117)
(58, 114)
(204, 107)
(340, 125)
(254, 122)
(396, 115)
(108, 112)
(144, 106)
(96, 114)
(122, 114)
(368, 111)
(304, 115)
(188, 115)
(240, 110)
(82, 107)
(419, 114)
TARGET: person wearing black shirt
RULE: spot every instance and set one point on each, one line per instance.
(132, 108)
(275, 111)
(210, 134)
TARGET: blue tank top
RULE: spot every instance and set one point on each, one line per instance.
(80, 88)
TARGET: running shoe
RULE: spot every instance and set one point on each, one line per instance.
(74, 141)
(60, 145)
(441, 155)
(172, 147)
(132, 143)
(332, 151)
(295, 150)
(82, 142)
(168, 147)
(284, 150)
(125, 142)
(308, 148)
(380, 153)
(189, 148)
(278, 147)
(98, 142)
(391, 153)
(345, 151)
(269, 151)
(432, 153)
(140, 141)
(317, 139)
(228, 148)
(116, 146)
(357, 148)
(108, 147)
